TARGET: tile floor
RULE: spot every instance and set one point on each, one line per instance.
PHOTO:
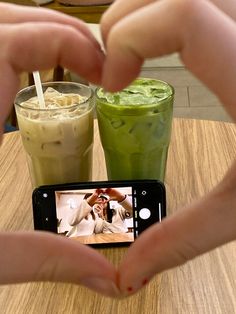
(192, 98)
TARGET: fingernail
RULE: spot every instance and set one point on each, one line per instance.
(145, 281)
(103, 286)
(135, 287)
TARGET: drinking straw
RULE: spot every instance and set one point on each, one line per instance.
(39, 90)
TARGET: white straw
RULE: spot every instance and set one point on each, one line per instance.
(39, 90)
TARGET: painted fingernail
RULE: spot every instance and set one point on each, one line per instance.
(145, 281)
(132, 289)
(100, 285)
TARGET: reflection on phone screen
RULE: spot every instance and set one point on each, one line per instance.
(93, 216)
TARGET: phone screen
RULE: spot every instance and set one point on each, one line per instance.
(99, 213)
(93, 216)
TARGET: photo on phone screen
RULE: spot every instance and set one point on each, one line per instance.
(95, 215)
(99, 213)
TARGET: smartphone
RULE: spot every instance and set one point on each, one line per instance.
(103, 213)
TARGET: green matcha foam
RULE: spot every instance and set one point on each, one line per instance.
(140, 92)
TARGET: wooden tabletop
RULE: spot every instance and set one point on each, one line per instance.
(199, 154)
(105, 238)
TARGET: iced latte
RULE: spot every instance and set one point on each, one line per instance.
(58, 139)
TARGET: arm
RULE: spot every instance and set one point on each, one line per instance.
(81, 212)
(57, 39)
(126, 209)
(123, 200)
(204, 35)
(84, 209)
(99, 226)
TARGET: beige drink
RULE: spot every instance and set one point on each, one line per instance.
(58, 139)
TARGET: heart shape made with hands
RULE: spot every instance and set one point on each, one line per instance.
(180, 237)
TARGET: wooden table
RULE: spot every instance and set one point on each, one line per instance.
(105, 238)
(200, 153)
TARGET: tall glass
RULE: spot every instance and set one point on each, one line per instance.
(58, 139)
(135, 129)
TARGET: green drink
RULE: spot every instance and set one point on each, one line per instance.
(135, 129)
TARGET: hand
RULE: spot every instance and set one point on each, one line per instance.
(38, 39)
(191, 231)
(41, 256)
(115, 195)
(154, 28)
(163, 27)
(99, 210)
(91, 200)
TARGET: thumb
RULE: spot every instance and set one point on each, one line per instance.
(192, 231)
(41, 256)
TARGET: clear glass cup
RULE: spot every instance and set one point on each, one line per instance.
(135, 129)
(58, 140)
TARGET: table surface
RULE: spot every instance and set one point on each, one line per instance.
(199, 154)
(105, 238)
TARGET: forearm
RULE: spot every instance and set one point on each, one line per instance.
(127, 205)
(81, 212)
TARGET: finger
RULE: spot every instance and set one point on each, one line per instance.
(192, 231)
(40, 256)
(142, 34)
(146, 34)
(118, 10)
(228, 6)
(52, 44)
(11, 13)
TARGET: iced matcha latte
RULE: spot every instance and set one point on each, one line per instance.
(58, 139)
(135, 129)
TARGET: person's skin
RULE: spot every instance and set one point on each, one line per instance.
(94, 197)
(204, 36)
(101, 210)
(115, 195)
(101, 204)
(37, 39)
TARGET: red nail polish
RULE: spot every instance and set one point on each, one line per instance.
(145, 281)
(129, 289)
